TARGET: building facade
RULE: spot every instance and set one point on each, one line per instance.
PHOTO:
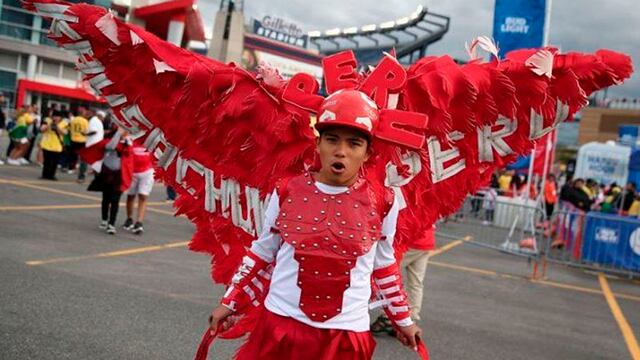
(601, 124)
(32, 69)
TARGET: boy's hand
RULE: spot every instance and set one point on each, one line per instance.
(219, 314)
(410, 336)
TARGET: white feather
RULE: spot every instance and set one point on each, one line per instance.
(135, 39)
(162, 66)
(108, 27)
(485, 43)
(541, 63)
(55, 11)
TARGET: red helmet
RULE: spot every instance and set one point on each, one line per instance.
(350, 108)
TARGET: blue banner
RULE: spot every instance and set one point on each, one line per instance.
(612, 240)
(628, 135)
(518, 24)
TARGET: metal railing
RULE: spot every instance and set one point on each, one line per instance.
(505, 224)
(594, 241)
(590, 241)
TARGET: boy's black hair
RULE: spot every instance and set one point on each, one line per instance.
(362, 134)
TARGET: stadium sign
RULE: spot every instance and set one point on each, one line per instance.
(280, 30)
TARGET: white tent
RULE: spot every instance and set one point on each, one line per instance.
(604, 162)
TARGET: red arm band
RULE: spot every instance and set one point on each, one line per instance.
(249, 284)
(388, 287)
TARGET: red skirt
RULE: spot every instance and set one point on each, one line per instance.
(283, 338)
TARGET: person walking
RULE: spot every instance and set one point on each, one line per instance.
(141, 187)
(114, 178)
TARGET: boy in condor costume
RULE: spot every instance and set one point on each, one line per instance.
(481, 116)
(327, 236)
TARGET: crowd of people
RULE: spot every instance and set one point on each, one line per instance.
(575, 193)
(58, 139)
(588, 195)
(57, 135)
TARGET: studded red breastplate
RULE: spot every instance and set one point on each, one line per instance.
(329, 233)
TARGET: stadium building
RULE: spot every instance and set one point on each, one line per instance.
(34, 71)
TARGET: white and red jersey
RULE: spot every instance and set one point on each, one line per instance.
(326, 242)
(142, 159)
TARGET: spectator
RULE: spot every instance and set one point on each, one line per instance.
(519, 187)
(33, 131)
(634, 210)
(579, 197)
(516, 184)
(608, 203)
(95, 135)
(110, 126)
(600, 197)
(113, 179)
(171, 193)
(489, 205)
(141, 186)
(53, 131)
(39, 153)
(3, 119)
(550, 195)
(591, 189)
(65, 158)
(504, 180)
(95, 132)
(78, 128)
(19, 138)
(624, 199)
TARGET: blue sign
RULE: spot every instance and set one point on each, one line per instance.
(518, 24)
(628, 134)
(612, 240)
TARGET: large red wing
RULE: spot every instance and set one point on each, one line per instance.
(221, 136)
(522, 97)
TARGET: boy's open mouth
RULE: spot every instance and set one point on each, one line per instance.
(337, 167)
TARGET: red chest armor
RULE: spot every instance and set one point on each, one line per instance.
(329, 233)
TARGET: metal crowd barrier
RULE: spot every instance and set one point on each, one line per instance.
(505, 224)
(594, 241)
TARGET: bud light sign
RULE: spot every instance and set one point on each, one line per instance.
(607, 235)
(612, 241)
(518, 24)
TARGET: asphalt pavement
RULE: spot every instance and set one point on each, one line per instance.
(70, 291)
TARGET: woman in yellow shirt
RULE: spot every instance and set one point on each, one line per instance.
(634, 210)
(19, 137)
(53, 130)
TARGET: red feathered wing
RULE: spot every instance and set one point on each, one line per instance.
(222, 137)
(482, 116)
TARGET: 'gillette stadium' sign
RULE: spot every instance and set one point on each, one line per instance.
(280, 30)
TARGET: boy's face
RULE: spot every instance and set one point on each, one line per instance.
(342, 152)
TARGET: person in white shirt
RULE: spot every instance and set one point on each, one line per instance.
(95, 134)
(96, 128)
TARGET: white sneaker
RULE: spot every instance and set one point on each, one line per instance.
(23, 161)
(111, 230)
(11, 161)
(103, 225)
(1, 162)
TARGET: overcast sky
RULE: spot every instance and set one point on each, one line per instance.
(576, 25)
